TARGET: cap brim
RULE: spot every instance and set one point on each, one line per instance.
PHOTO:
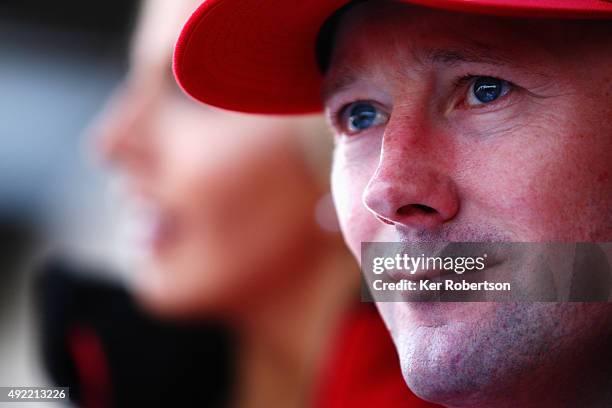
(258, 56)
(253, 56)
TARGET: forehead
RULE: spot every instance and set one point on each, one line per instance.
(375, 34)
(157, 29)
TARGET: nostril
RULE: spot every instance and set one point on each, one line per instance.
(384, 220)
(414, 209)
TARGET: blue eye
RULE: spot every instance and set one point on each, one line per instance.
(360, 116)
(486, 90)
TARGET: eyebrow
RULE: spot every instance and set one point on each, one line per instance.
(477, 53)
(340, 82)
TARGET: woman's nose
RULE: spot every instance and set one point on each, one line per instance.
(120, 131)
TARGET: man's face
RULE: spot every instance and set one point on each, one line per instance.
(455, 127)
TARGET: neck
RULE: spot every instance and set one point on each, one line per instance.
(284, 338)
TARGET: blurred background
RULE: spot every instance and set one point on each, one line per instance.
(58, 63)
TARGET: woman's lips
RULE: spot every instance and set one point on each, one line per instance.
(155, 228)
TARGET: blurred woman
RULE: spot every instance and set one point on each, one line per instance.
(237, 224)
(237, 220)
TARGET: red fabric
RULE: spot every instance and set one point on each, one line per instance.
(258, 56)
(92, 367)
(363, 368)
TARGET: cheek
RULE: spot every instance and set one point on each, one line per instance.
(195, 190)
(576, 187)
(348, 184)
(543, 184)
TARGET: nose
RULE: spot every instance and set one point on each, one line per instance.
(409, 187)
(118, 131)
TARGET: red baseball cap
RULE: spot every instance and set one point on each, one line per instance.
(259, 56)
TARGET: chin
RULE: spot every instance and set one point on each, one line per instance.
(177, 308)
(457, 354)
(166, 299)
(474, 359)
(433, 360)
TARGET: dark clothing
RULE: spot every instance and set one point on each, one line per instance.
(97, 341)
